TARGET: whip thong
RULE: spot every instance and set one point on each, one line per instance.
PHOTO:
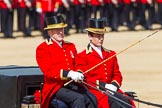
(135, 43)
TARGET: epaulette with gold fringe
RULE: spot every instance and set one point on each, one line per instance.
(49, 41)
(88, 49)
(67, 42)
(107, 50)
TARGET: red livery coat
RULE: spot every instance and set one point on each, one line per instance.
(127, 1)
(107, 72)
(47, 5)
(54, 62)
(95, 2)
(4, 6)
(159, 1)
(76, 2)
(22, 4)
(144, 1)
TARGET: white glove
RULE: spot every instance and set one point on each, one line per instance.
(115, 2)
(81, 1)
(55, 9)
(149, 1)
(9, 5)
(28, 3)
(71, 1)
(39, 10)
(133, 1)
(76, 76)
(111, 88)
(101, 1)
(65, 3)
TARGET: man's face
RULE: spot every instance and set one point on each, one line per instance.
(96, 39)
(57, 34)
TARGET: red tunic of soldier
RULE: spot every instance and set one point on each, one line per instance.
(159, 1)
(146, 1)
(46, 5)
(4, 6)
(95, 2)
(23, 3)
(53, 60)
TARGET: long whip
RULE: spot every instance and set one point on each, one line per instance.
(135, 43)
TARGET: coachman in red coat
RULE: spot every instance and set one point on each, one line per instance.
(56, 59)
(107, 75)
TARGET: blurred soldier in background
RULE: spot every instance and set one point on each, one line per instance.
(102, 8)
(95, 7)
(146, 5)
(88, 11)
(26, 7)
(77, 10)
(7, 8)
(115, 8)
(82, 15)
(66, 8)
(130, 13)
(34, 17)
(159, 12)
(0, 15)
(45, 8)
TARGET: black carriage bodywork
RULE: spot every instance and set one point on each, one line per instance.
(17, 82)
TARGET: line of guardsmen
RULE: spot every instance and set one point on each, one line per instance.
(118, 12)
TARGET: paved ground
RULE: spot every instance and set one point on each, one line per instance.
(141, 65)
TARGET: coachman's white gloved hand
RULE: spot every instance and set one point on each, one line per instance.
(111, 88)
(76, 76)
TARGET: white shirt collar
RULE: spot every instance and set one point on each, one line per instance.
(59, 43)
(97, 49)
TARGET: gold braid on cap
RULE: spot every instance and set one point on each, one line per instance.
(60, 25)
(96, 29)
